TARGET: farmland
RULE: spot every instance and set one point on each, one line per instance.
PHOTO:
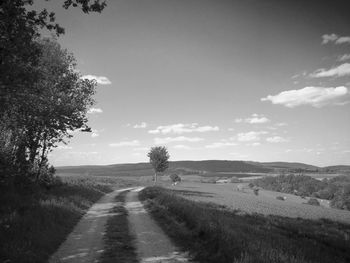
(213, 233)
(265, 203)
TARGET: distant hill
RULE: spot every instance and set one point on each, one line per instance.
(200, 167)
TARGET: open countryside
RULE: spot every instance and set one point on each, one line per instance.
(174, 131)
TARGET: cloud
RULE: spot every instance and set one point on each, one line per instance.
(181, 146)
(64, 147)
(329, 38)
(177, 139)
(142, 125)
(314, 96)
(99, 79)
(276, 139)
(250, 136)
(256, 119)
(95, 133)
(181, 128)
(220, 145)
(125, 143)
(94, 111)
(339, 71)
(335, 39)
(343, 57)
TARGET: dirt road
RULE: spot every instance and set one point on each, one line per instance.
(85, 243)
(152, 245)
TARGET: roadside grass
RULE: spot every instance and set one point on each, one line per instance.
(33, 223)
(213, 233)
(118, 240)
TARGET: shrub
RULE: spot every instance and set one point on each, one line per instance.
(175, 178)
(234, 179)
(313, 201)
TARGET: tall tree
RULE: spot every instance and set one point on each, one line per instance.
(159, 159)
(27, 88)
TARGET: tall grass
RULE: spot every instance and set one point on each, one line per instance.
(215, 234)
(34, 223)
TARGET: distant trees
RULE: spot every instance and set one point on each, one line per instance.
(336, 189)
(175, 178)
(159, 159)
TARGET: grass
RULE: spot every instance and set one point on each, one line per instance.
(34, 223)
(215, 234)
(118, 240)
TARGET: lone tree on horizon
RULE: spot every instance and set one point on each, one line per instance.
(158, 157)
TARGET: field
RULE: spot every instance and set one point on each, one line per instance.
(265, 203)
(213, 233)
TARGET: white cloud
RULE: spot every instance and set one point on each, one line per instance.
(99, 79)
(343, 40)
(254, 119)
(220, 145)
(335, 39)
(181, 146)
(142, 125)
(250, 136)
(343, 57)
(276, 139)
(314, 96)
(64, 147)
(125, 143)
(339, 71)
(95, 133)
(177, 139)
(256, 144)
(329, 38)
(94, 111)
(181, 128)
(281, 124)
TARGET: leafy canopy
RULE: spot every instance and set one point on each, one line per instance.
(159, 158)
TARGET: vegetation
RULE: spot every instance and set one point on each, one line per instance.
(34, 222)
(42, 99)
(174, 177)
(215, 234)
(336, 189)
(159, 159)
(313, 201)
(119, 245)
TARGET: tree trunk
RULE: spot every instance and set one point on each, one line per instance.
(155, 178)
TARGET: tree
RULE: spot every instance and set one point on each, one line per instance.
(158, 157)
(174, 177)
(33, 117)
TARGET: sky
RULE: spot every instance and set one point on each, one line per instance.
(212, 79)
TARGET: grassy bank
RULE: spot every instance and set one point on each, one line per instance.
(118, 240)
(214, 234)
(33, 223)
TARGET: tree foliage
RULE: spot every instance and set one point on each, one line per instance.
(336, 189)
(42, 97)
(159, 159)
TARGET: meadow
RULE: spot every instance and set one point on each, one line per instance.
(215, 233)
(33, 223)
(265, 203)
